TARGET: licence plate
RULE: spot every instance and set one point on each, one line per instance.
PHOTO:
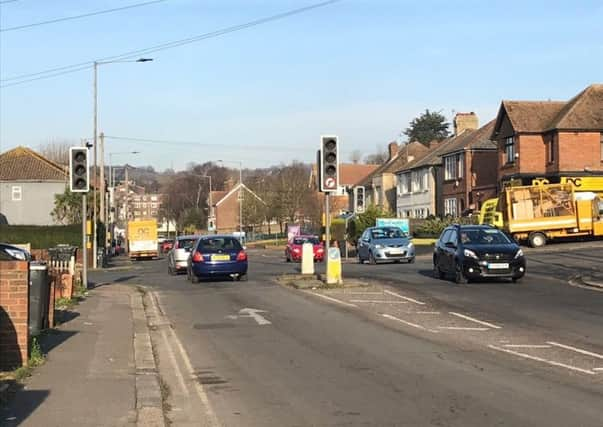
(396, 251)
(220, 257)
(498, 266)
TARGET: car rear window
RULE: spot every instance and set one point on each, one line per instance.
(186, 243)
(388, 233)
(302, 240)
(215, 244)
(478, 236)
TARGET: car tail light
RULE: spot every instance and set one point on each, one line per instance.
(242, 256)
(197, 257)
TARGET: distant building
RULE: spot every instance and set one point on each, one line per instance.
(28, 185)
(140, 204)
(224, 214)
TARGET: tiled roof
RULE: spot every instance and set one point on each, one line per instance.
(583, 112)
(351, 174)
(531, 116)
(475, 138)
(216, 196)
(414, 149)
(24, 164)
(432, 157)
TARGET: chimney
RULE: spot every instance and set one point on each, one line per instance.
(392, 149)
(465, 121)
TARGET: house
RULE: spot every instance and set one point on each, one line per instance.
(380, 184)
(550, 139)
(28, 185)
(470, 164)
(420, 181)
(350, 176)
(224, 215)
(140, 204)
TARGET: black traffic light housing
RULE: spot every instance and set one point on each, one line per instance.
(359, 200)
(329, 163)
(79, 175)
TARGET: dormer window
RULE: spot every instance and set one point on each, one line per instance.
(510, 149)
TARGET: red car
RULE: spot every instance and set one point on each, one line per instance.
(293, 251)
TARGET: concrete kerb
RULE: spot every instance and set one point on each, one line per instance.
(315, 281)
(149, 404)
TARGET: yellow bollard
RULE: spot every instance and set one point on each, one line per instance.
(334, 267)
(307, 263)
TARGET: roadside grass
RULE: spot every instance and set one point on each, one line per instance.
(36, 358)
(424, 241)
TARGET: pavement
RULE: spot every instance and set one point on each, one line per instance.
(400, 349)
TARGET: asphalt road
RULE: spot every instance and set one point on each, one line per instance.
(406, 350)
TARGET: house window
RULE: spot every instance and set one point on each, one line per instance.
(453, 166)
(510, 149)
(551, 153)
(16, 193)
(405, 183)
(450, 207)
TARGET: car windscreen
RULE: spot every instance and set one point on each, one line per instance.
(186, 243)
(302, 240)
(388, 233)
(479, 236)
(216, 244)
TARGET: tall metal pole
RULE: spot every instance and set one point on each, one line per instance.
(327, 224)
(101, 147)
(241, 200)
(84, 243)
(94, 216)
(126, 211)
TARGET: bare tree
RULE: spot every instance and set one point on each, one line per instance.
(57, 150)
(356, 156)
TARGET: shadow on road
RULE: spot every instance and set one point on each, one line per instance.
(22, 404)
(53, 338)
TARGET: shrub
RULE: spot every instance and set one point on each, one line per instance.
(42, 237)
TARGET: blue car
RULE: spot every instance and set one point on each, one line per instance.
(217, 256)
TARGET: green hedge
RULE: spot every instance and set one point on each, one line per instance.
(42, 237)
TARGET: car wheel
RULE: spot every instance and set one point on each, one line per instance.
(459, 277)
(287, 257)
(537, 240)
(437, 273)
(412, 260)
(194, 278)
(516, 279)
(360, 260)
(372, 259)
(242, 277)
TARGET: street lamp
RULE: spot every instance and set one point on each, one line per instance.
(210, 213)
(102, 155)
(240, 163)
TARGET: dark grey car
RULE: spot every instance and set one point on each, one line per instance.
(379, 244)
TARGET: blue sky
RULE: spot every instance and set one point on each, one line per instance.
(359, 69)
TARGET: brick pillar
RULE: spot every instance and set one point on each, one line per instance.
(14, 314)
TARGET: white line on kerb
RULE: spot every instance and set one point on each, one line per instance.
(577, 350)
(471, 319)
(334, 300)
(461, 328)
(539, 359)
(403, 297)
(526, 346)
(379, 301)
(414, 325)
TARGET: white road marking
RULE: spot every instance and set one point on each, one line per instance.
(462, 328)
(414, 325)
(526, 346)
(255, 315)
(598, 369)
(577, 350)
(380, 301)
(403, 297)
(363, 293)
(428, 312)
(334, 300)
(212, 420)
(471, 319)
(540, 359)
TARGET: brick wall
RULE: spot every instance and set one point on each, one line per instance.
(14, 314)
(577, 150)
(227, 214)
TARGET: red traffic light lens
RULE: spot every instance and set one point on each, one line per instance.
(79, 156)
(330, 144)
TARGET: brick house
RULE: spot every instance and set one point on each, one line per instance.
(225, 208)
(550, 139)
(470, 164)
(28, 185)
(380, 185)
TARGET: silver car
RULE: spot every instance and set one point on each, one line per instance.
(385, 244)
(178, 255)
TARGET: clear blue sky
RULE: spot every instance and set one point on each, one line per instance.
(358, 68)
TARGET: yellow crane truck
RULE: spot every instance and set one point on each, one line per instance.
(541, 212)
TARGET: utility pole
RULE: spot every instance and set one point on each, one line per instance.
(126, 210)
(84, 242)
(94, 216)
(101, 147)
(240, 200)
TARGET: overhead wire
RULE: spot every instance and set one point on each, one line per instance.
(57, 71)
(83, 15)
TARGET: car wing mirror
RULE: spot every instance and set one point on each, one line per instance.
(450, 245)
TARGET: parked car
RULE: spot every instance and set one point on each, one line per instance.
(179, 253)
(167, 245)
(9, 252)
(385, 244)
(293, 250)
(215, 256)
(477, 251)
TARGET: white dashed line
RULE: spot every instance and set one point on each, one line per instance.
(461, 328)
(598, 369)
(577, 350)
(527, 346)
(334, 300)
(471, 319)
(414, 325)
(364, 293)
(428, 312)
(381, 301)
(539, 359)
(403, 297)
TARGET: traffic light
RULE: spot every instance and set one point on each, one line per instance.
(329, 163)
(359, 199)
(79, 178)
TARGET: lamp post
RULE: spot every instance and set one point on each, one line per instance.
(240, 163)
(209, 201)
(102, 156)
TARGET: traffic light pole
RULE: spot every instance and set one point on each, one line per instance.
(84, 243)
(327, 224)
